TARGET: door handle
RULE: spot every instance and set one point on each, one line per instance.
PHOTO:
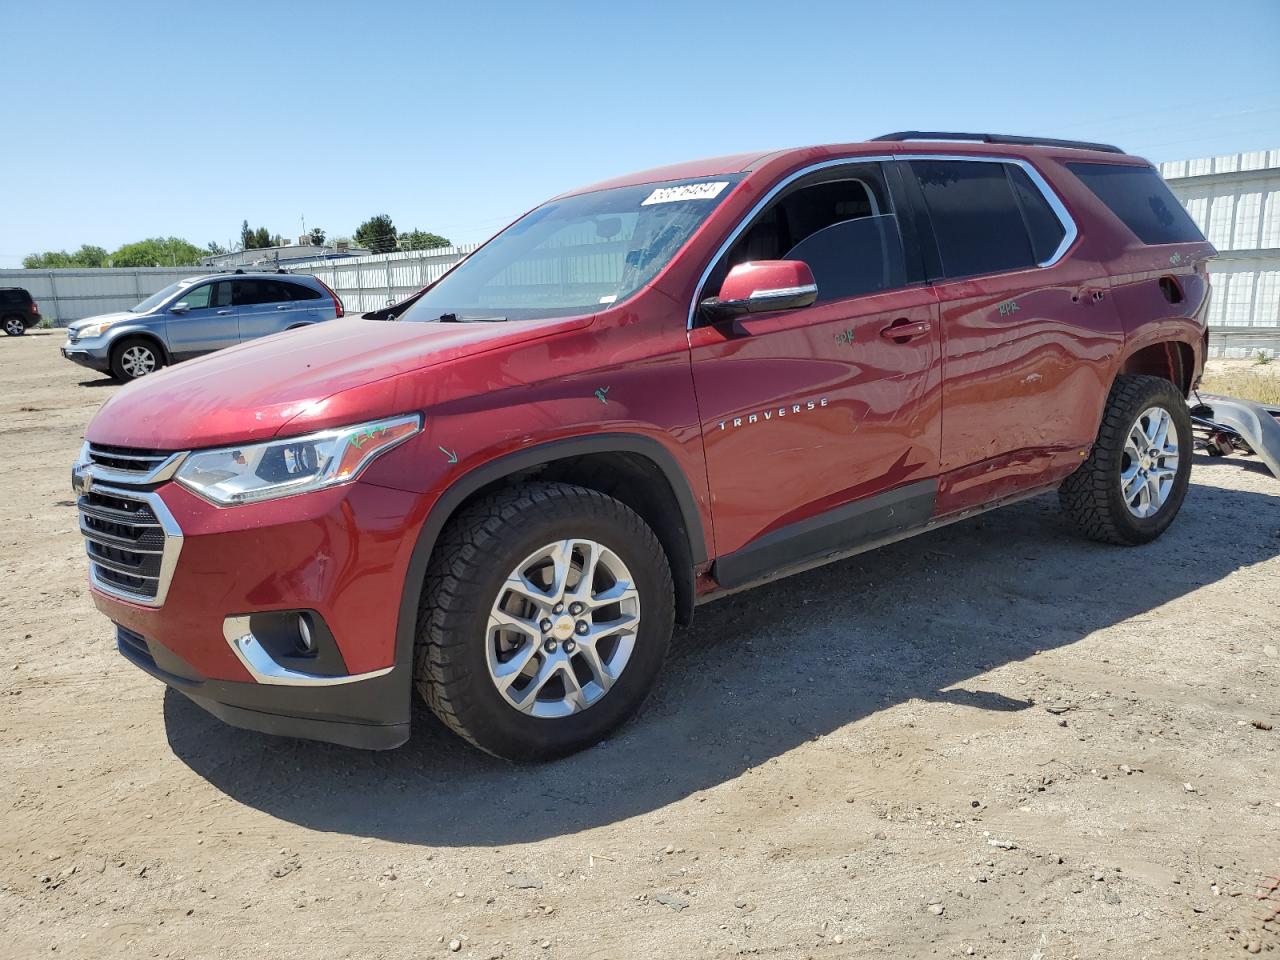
(224, 313)
(904, 331)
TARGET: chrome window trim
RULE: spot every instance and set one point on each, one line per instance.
(759, 206)
(265, 670)
(1050, 195)
(168, 557)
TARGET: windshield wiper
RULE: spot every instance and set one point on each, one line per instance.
(454, 318)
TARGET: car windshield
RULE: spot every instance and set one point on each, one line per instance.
(159, 297)
(575, 255)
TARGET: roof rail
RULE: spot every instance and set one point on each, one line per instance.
(1000, 138)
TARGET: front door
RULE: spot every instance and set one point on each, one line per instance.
(821, 425)
(208, 323)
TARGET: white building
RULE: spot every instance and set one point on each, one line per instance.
(1235, 200)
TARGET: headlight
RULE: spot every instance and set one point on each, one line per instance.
(95, 329)
(281, 468)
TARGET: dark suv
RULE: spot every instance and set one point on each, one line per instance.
(639, 397)
(18, 312)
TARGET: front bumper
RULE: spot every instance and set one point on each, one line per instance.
(342, 553)
(95, 356)
(366, 714)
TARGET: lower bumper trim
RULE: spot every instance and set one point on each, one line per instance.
(373, 715)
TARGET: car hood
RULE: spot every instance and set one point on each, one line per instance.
(77, 325)
(251, 392)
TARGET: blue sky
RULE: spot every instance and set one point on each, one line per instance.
(141, 119)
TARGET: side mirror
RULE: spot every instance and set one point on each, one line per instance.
(763, 286)
(179, 307)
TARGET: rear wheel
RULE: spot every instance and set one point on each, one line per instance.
(546, 616)
(14, 327)
(1134, 481)
(134, 357)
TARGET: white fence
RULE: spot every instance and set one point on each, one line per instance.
(66, 295)
(363, 283)
(370, 283)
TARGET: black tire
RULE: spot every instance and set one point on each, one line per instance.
(476, 552)
(1092, 496)
(14, 325)
(121, 353)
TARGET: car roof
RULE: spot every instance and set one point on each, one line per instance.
(745, 162)
(247, 275)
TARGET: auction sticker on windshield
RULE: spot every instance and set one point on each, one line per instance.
(686, 191)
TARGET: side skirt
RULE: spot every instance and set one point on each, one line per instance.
(841, 526)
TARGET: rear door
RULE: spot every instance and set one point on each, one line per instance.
(265, 307)
(1029, 334)
(309, 305)
(821, 428)
(208, 324)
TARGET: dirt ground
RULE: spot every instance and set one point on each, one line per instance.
(997, 740)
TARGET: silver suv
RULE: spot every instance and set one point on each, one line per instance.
(197, 316)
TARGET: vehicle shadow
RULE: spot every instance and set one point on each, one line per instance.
(756, 675)
(102, 382)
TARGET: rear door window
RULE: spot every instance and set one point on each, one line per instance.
(978, 221)
(1141, 200)
(248, 293)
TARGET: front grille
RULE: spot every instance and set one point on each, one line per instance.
(132, 549)
(127, 459)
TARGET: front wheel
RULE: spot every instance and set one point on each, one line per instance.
(14, 327)
(546, 615)
(134, 357)
(1134, 481)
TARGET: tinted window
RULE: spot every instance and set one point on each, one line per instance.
(1043, 225)
(1140, 198)
(14, 296)
(840, 226)
(976, 217)
(250, 292)
(853, 257)
(222, 293)
(197, 298)
(298, 292)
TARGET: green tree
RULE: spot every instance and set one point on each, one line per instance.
(377, 234)
(214, 248)
(261, 238)
(317, 236)
(422, 240)
(158, 252)
(87, 256)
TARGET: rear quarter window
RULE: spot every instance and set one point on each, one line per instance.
(298, 292)
(1141, 200)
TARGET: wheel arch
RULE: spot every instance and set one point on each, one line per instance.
(140, 333)
(634, 469)
(1170, 359)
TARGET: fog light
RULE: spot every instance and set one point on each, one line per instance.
(304, 634)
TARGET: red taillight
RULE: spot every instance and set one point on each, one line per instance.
(35, 308)
(337, 301)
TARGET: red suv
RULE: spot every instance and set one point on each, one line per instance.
(636, 398)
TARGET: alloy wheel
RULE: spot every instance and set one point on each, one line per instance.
(562, 628)
(14, 327)
(1150, 462)
(138, 361)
